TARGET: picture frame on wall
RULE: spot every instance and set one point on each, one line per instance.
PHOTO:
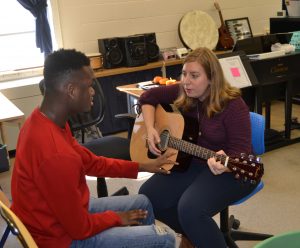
(239, 28)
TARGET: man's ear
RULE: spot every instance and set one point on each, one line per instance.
(71, 90)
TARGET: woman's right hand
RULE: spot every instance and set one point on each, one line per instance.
(152, 140)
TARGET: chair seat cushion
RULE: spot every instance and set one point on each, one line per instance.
(110, 146)
(258, 188)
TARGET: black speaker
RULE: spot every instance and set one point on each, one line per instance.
(112, 53)
(134, 48)
(151, 47)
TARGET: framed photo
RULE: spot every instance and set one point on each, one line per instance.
(239, 28)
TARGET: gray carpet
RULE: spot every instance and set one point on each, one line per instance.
(274, 210)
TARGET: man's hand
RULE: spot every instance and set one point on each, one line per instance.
(132, 217)
(154, 165)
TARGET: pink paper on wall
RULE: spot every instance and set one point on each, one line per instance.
(235, 72)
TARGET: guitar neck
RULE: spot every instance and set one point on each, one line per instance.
(217, 6)
(221, 17)
(195, 150)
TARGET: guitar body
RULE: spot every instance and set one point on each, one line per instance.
(177, 126)
(225, 40)
(180, 136)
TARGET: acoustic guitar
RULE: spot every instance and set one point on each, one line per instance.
(179, 135)
(225, 40)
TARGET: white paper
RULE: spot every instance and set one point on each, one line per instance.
(235, 72)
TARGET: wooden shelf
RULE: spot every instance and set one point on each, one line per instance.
(122, 70)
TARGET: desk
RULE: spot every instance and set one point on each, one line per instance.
(133, 93)
(131, 89)
(9, 113)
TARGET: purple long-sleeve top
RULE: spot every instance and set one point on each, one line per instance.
(229, 130)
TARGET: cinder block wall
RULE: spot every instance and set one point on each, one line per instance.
(79, 23)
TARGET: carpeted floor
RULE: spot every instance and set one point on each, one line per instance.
(274, 210)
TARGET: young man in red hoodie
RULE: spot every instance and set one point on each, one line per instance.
(49, 189)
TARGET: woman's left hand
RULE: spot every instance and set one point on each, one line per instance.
(215, 166)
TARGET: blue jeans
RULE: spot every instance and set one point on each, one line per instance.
(145, 235)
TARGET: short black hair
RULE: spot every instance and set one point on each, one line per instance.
(60, 64)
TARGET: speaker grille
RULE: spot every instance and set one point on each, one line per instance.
(110, 48)
(151, 47)
(135, 50)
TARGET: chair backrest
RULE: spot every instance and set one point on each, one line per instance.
(17, 227)
(4, 198)
(258, 133)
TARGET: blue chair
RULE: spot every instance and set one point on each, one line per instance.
(228, 224)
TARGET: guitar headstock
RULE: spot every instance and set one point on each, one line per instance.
(217, 6)
(247, 167)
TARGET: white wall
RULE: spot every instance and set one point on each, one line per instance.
(82, 22)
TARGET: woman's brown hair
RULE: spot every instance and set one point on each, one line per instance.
(220, 91)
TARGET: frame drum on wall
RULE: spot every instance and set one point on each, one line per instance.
(197, 29)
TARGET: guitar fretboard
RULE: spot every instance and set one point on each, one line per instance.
(195, 150)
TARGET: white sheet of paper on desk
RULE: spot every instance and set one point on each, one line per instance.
(268, 55)
(235, 72)
(145, 83)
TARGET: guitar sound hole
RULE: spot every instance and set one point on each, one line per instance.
(151, 155)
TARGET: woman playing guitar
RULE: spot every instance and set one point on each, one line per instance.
(187, 201)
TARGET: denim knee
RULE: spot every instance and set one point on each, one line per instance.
(167, 234)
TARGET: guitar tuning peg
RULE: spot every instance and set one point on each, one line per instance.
(243, 155)
(245, 179)
(237, 176)
(258, 159)
(251, 157)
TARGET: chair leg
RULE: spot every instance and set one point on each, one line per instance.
(230, 242)
(101, 187)
(239, 235)
(122, 191)
(82, 136)
(226, 226)
(4, 236)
